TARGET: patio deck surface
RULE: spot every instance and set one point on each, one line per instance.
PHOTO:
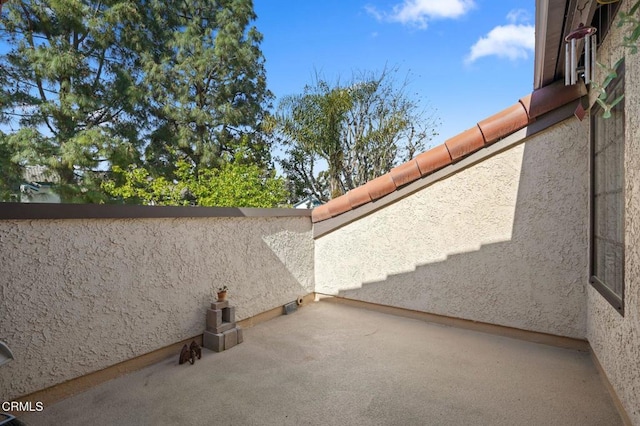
(334, 364)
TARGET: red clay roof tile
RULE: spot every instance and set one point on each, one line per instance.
(380, 186)
(487, 131)
(465, 143)
(405, 173)
(434, 159)
(553, 96)
(339, 205)
(321, 213)
(526, 104)
(504, 123)
(359, 196)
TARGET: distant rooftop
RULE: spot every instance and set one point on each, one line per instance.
(40, 174)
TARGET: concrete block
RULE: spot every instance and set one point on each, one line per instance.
(240, 337)
(229, 314)
(213, 341)
(224, 327)
(230, 338)
(290, 308)
(214, 318)
(219, 305)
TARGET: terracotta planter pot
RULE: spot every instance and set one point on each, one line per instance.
(222, 296)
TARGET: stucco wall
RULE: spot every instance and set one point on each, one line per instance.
(502, 242)
(615, 339)
(80, 295)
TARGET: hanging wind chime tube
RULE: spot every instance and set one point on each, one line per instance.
(594, 48)
(572, 56)
(574, 62)
(567, 66)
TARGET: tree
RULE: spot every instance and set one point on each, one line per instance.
(360, 130)
(71, 85)
(207, 87)
(9, 172)
(93, 86)
(312, 124)
(234, 184)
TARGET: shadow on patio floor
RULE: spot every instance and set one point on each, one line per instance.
(335, 364)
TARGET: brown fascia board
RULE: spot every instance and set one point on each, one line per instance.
(485, 133)
(113, 211)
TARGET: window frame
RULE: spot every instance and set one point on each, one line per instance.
(606, 290)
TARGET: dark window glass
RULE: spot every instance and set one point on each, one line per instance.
(607, 196)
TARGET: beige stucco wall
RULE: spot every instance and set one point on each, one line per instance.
(80, 295)
(502, 242)
(615, 339)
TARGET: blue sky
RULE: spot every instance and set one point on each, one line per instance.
(468, 59)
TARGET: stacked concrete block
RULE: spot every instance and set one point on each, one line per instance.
(222, 333)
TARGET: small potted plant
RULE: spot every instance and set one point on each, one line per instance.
(222, 293)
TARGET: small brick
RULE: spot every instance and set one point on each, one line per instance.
(214, 318)
(290, 308)
(224, 327)
(213, 341)
(230, 338)
(229, 314)
(240, 336)
(220, 305)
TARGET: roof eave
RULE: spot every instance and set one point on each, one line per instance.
(554, 19)
(542, 19)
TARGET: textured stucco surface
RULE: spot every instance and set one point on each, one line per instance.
(81, 295)
(502, 242)
(615, 339)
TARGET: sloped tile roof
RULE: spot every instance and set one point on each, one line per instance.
(486, 132)
(40, 174)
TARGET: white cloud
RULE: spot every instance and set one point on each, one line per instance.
(511, 41)
(518, 15)
(419, 12)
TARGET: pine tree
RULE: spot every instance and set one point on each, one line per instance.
(207, 86)
(92, 85)
(71, 87)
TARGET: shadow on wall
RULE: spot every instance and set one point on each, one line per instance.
(116, 289)
(536, 280)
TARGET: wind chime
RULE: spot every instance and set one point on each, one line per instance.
(571, 57)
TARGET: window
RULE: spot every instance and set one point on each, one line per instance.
(603, 18)
(607, 197)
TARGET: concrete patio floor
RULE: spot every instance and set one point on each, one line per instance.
(334, 364)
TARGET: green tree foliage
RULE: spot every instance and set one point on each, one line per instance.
(207, 86)
(630, 24)
(312, 124)
(70, 85)
(9, 171)
(360, 131)
(93, 86)
(234, 184)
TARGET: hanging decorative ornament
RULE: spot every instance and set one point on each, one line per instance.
(571, 56)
